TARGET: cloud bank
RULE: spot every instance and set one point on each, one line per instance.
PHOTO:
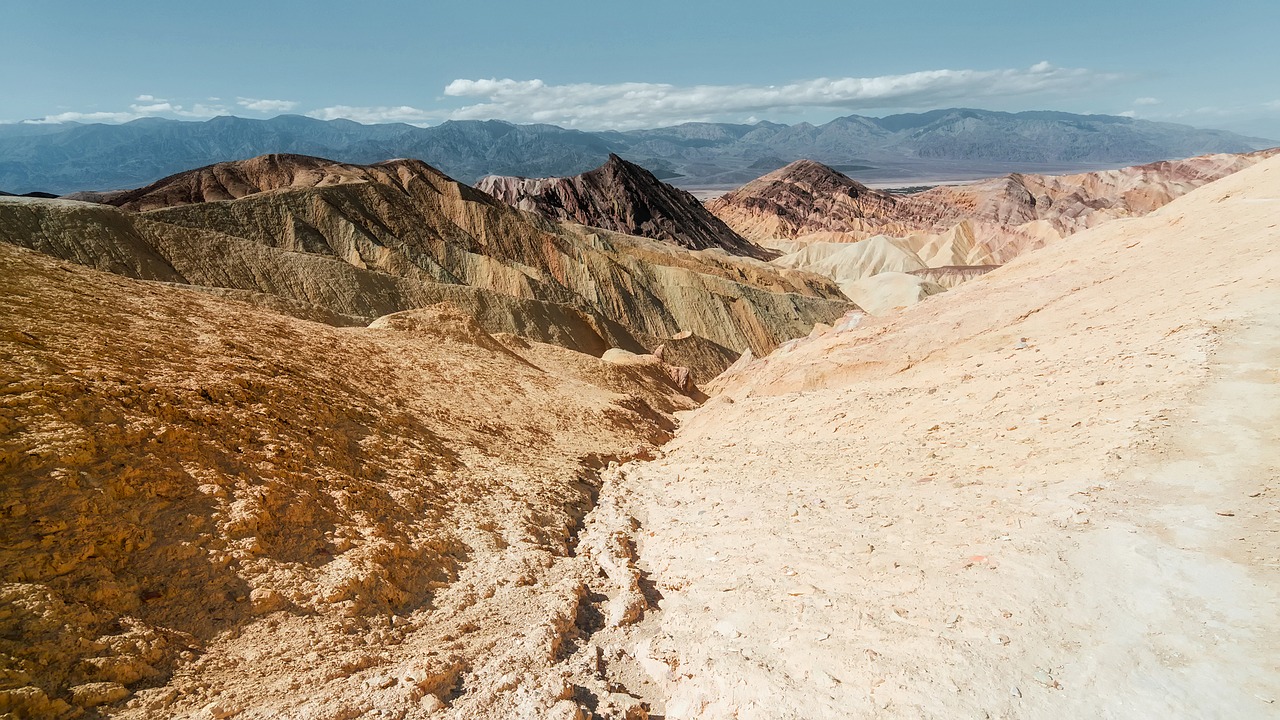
(631, 105)
(266, 106)
(145, 105)
(381, 114)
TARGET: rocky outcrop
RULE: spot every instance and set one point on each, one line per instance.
(623, 197)
(949, 276)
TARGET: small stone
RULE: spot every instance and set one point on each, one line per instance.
(1226, 513)
(219, 709)
(727, 630)
(430, 703)
(564, 710)
(1014, 691)
(627, 707)
(999, 639)
(98, 693)
(1045, 679)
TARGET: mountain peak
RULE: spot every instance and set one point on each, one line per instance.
(237, 178)
(623, 197)
(804, 194)
(809, 173)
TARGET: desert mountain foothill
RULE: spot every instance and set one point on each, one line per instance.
(285, 436)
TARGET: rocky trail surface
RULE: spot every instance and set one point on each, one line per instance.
(1049, 493)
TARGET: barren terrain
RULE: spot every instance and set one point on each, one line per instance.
(213, 510)
(1048, 493)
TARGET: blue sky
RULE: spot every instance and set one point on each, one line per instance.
(606, 64)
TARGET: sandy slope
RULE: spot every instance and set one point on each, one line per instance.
(1048, 493)
(208, 509)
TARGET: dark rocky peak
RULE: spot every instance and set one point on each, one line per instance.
(623, 197)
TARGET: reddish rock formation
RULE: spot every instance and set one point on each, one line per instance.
(803, 198)
(626, 198)
(1008, 215)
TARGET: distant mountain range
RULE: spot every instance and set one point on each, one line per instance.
(72, 157)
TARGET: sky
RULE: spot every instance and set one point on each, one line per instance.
(621, 64)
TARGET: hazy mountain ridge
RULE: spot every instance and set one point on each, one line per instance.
(106, 157)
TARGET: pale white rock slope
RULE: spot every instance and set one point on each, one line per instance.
(1050, 493)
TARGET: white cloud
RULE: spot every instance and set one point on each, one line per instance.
(266, 105)
(1129, 114)
(87, 117)
(381, 114)
(1273, 105)
(199, 110)
(637, 104)
(154, 107)
(630, 105)
(1146, 101)
(202, 110)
